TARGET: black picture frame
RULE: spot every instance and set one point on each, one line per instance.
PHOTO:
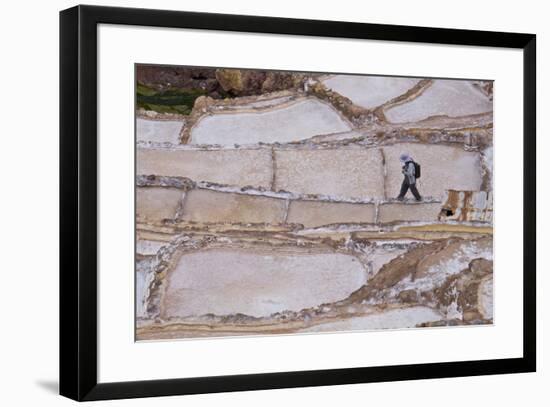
(79, 206)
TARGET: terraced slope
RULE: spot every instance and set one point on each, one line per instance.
(276, 213)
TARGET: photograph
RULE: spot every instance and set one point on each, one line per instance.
(273, 204)
(285, 202)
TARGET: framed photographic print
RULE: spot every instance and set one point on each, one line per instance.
(256, 202)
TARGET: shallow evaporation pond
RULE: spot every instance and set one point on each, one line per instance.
(392, 319)
(148, 247)
(258, 283)
(298, 121)
(158, 130)
(144, 275)
(140, 293)
(370, 91)
(452, 98)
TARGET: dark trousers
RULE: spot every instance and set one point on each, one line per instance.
(405, 186)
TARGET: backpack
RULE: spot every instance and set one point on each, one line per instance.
(417, 171)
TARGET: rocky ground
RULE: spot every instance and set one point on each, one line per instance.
(270, 207)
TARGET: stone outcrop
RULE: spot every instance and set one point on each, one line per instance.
(165, 77)
(243, 82)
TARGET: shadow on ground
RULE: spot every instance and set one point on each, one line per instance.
(51, 386)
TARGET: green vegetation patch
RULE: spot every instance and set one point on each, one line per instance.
(178, 101)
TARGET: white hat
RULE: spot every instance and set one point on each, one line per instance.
(404, 157)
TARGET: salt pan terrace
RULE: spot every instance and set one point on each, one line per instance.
(442, 98)
(370, 91)
(288, 122)
(258, 283)
(158, 130)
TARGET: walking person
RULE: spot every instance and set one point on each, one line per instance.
(411, 174)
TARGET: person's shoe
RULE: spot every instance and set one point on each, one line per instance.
(420, 200)
(400, 199)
